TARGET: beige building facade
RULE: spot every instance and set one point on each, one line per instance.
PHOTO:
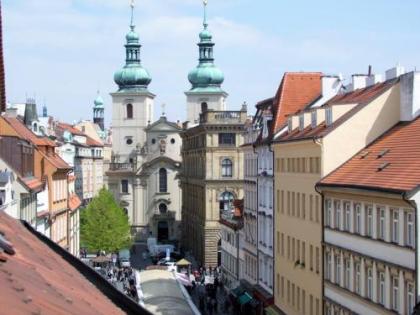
(212, 181)
(319, 140)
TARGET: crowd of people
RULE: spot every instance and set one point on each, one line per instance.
(206, 286)
(124, 279)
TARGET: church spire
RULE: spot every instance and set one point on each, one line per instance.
(206, 77)
(133, 75)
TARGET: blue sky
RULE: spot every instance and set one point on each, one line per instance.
(63, 51)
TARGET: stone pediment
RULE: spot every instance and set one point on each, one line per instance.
(163, 125)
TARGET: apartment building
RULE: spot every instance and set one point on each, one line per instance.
(370, 221)
(249, 231)
(49, 168)
(212, 180)
(230, 227)
(85, 155)
(318, 140)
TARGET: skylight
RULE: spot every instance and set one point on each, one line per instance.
(383, 152)
(383, 166)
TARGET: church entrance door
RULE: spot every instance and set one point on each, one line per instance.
(163, 231)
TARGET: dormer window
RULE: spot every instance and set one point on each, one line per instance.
(301, 122)
(328, 116)
(313, 119)
(290, 124)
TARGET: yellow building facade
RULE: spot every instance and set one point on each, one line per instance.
(318, 140)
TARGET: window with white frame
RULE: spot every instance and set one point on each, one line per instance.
(410, 298)
(369, 284)
(369, 221)
(313, 119)
(337, 223)
(357, 219)
(409, 229)
(357, 279)
(395, 295)
(347, 275)
(338, 269)
(347, 216)
(301, 121)
(381, 223)
(328, 206)
(381, 292)
(328, 116)
(328, 266)
(395, 224)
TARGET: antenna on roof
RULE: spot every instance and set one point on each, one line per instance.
(370, 70)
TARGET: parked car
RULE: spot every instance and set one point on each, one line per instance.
(124, 258)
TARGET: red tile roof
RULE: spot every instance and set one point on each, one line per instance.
(56, 161)
(2, 75)
(92, 142)
(296, 91)
(32, 183)
(400, 147)
(74, 202)
(361, 97)
(27, 134)
(70, 129)
(37, 280)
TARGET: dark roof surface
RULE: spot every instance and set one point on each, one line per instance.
(390, 163)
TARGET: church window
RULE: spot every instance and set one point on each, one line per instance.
(163, 180)
(129, 111)
(124, 186)
(153, 141)
(173, 141)
(163, 208)
(227, 166)
(129, 141)
(227, 139)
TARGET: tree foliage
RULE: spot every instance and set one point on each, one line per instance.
(104, 225)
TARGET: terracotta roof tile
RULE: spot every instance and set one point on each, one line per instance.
(56, 161)
(361, 97)
(33, 183)
(27, 134)
(74, 202)
(296, 91)
(92, 142)
(37, 280)
(398, 150)
(70, 129)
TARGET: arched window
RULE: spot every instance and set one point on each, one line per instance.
(163, 180)
(226, 201)
(163, 208)
(129, 111)
(227, 166)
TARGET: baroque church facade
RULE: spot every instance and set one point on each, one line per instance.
(146, 166)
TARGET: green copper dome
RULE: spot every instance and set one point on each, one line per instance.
(99, 102)
(132, 75)
(206, 77)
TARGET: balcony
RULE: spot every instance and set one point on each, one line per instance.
(122, 167)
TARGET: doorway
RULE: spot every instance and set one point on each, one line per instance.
(163, 231)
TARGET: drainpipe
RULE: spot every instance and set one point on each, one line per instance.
(322, 244)
(258, 232)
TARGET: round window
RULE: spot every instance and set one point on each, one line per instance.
(163, 208)
(172, 140)
(129, 141)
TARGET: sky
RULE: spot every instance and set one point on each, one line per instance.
(61, 52)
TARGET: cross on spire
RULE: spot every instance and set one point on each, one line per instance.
(205, 24)
(132, 5)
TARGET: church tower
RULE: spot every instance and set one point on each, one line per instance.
(98, 112)
(133, 103)
(206, 79)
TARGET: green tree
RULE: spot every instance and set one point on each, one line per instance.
(104, 225)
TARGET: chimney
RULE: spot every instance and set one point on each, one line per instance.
(358, 81)
(373, 79)
(410, 96)
(331, 86)
(394, 72)
(11, 112)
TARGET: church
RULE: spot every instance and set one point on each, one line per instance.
(146, 154)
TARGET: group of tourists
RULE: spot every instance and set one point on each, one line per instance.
(124, 279)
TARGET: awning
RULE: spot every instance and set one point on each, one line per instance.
(183, 262)
(245, 298)
(237, 292)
